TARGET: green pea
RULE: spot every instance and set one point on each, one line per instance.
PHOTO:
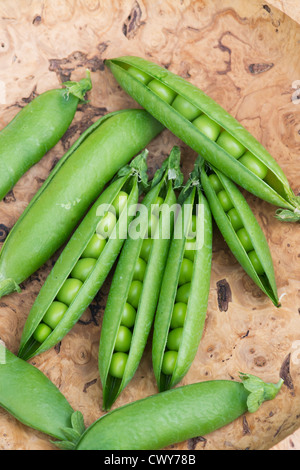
(225, 200)
(256, 263)
(69, 291)
(42, 332)
(128, 316)
(183, 293)
(83, 268)
(245, 239)
(208, 127)
(185, 108)
(235, 219)
(254, 165)
(174, 339)
(95, 247)
(231, 145)
(54, 314)
(178, 315)
(169, 362)
(146, 249)
(215, 182)
(139, 270)
(120, 202)
(139, 75)
(106, 225)
(190, 249)
(123, 339)
(134, 293)
(186, 271)
(164, 92)
(152, 226)
(118, 364)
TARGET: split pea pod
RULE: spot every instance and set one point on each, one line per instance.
(240, 229)
(73, 185)
(36, 129)
(208, 129)
(176, 415)
(134, 291)
(182, 305)
(85, 262)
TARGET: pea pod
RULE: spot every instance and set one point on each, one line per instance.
(68, 192)
(134, 291)
(36, 129)
(182, 305)
(85, 262)
(176, 415)
(240, 230)
(28, 395)
(208, 129)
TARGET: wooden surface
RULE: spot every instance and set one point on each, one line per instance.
(241, 53)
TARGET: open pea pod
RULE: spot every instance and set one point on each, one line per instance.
(208, 129)
(182, 305)
(28, 395)
(85, 262)
(134, 291)
(240, 229)
(71, 188)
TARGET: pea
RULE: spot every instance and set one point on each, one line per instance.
(106, 225)
(178, 315)
(235, 219)
(152, 226)
(245, 239)
(174, 339)
(146, 249)
(128, 316)
(225, 200)
(123, 339)
(134, 293)
(69, 290)
(207, 126)
(83, 268)
(254, 165)
(186, 271)
(139, 75)
(54, 314)
(190, 249)
(120, 202)
(118, 364)
(231, 145)
(256, 263)
(183, 293)
(164, 92)
(42, 332)
(95, 247)
(169, 362)
(185, 108)
(139, 270)
(215, 182)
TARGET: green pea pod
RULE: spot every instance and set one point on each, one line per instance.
(28, 395)
(120, 295)
(68, 192)
(263, 275)
(167, 96)
(176, 415)
(36, 129)
(185, 288)
(44, 329)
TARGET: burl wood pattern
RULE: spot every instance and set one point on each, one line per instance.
(243, 54)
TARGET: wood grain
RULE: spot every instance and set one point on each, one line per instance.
(241, 53)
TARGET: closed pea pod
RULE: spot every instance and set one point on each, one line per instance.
(137, 297)
(36, 129)
(214, 133)
(176, 415)
(241, 231)
(75, 183)
(182, 305)
(84, 264)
